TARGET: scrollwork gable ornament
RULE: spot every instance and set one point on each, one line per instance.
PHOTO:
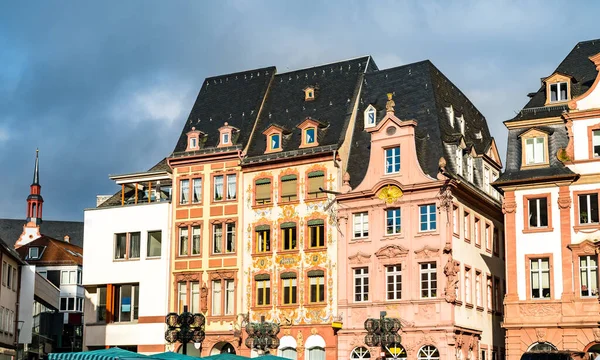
(391, 252)
(359, 258)
(390, 194)
(426, 252)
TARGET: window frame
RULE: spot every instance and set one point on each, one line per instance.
(30, 256)
(526, 208)
(361, 216)
(393, 157)
(368, 111)
(468, 280)
(478, 290)
(432, 284)
(395, 224)
(184, 195)
(270, 143)
(588, 270)
(193, 190)
(578, 210)
(394, 273)
(288, 198)
(529, 135)
(292, 284)
(321, 229)
(128, 246)
(265, 289)
(314, 196)
(267, 239)
(292, 231)
(362, 275)
(459, 160)
(225, 231)
(539, 258)
(320, 288)
(591, 141)
(190, 239)
(148, 256)
(225, 193)
(466, 218)
(117, 289)
(428, 214)
(305, 134)
(266, 201)
(559, 85)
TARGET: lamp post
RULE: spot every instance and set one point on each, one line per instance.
(262, 336)
(382, 332)
(184, 327)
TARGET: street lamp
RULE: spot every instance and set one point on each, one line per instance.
(262, 336)
(184, 327)
(382, 332)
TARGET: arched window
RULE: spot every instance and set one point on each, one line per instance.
(316, 353)
(395, 352)
(289, 353)
(287, 348)
(360, 353)
(542, 346)
(428, 352)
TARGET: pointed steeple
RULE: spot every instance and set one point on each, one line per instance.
(36, 170)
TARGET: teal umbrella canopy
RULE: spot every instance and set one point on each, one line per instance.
(169, 355)
(225, 357)
(271, 357)
(114, 353)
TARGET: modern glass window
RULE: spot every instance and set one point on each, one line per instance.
(263, 290)
(275, 141)
(184, 191)
(218, 194)
(316, 280)
(33, 252)
(197, 187)
(428, 280)
(393, 223)
(68, 277)
(263, 191)
(588, 208)
(101, 304)
(459, 161)
(428, 352)
(428, 218)
(231, 186)
(289, 288)
(535, 150)
(229, 297)
(316, 231)
(134, 245)
(289, 189)
(538, 212)
(154, 243)
(392, 160)
(310, 134)
(316, 182)
(216, 297)
(126, 302)
(361, 284)
(217, 238)
(393, 275)
(588, 275)
(127, 246)
(288, 235)
(195, 297)
(183, 241)
(558, 92)
(361, 224)
(540, 278)
(121, 246)
(263, 238)
(196, 240)
(596, 143)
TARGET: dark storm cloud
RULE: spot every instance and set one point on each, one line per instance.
(103, 87)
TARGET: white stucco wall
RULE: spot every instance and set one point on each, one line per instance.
(581, 145)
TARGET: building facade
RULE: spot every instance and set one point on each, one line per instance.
(126, 260)
(551, 188)
(421, 227)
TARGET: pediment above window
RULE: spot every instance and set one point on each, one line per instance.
(310, 131)
(391, 252)
(227, 134)
(359, 258)
(194, 139)
(534, 148)
(558, 88)
(426, 252)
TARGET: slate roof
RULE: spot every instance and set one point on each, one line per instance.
(233, 98)
(578, 65)
(337, 85)
(11, 230)
(55, 252)
(10, 250)
(422, 93)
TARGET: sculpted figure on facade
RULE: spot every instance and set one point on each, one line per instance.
(451, 271)
(204, 298)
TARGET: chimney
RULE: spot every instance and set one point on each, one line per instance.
(67, 238)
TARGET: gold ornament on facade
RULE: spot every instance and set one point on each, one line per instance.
(389, 105)
(262, 263)
(390, 194)
(287, 261)
(314, 259)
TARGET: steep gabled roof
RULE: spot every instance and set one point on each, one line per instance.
(11, 230)
(233, 98)
(53, 252)
(337, 85)
(422, 93)
(577, 65)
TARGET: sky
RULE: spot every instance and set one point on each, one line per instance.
(105, 87)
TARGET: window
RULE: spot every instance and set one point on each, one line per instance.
(263, 191)
(558, 92)
(193, 143)
(263, 238)
(195, 300)
(288, 281)
(33, 253)
(182, 296)
(535, 149)
(477, 234)
(127, 245)
(4, 272)
(184, 191)
(289, 189)
(196, 240)
(468, 284)
(183, 241)
(218, 195)
(316, 182)
(71, 304)
(360, 353)
(316, 353)
(309, 135)
(467, 225)
(154, 243)
(316, 231)
(428, 280)
(370, 116)
(486, 179)
(588, 274)
(101, 304)
(490, 294)
(197, 190)
(220, 243)
(588, 208)
(538, 212)
(230, 238)
(596, 143)
(288, 353)
(478, 290)
(428, 217)
(496, 241)
(470, 176)
(225, 138)
(216, 297)
(498, 294)
(461, 124)
(428, 352)
(361, 225)
(316, 279)
(361, 284)
(217, 238)
(263, 289)
(459, 161)
(394, 282)
(288, 234)
(126, 302)
(540, 278)
(487, 237)
(68, 277)
(393, 225)
(455, 221)
(392, 160)
(229, 297)
(275, 143)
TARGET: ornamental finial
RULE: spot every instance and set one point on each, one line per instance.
(389, 106)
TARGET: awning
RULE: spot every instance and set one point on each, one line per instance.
(104, 354)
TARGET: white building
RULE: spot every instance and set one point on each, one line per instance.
(126, 260)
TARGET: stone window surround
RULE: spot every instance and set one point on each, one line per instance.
(528, 258)
(526, 198)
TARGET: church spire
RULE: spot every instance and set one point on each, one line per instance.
(35, 200)
(36, 170)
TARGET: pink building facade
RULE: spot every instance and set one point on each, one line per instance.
(421, 242)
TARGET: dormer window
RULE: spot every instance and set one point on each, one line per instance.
(450, 115)
(370, 116)
(225, 139)
(275, 142)
(535, 148)
(558, 87)
(459, 161)
(34, 253)
(309, 135)
(470, 168)
(461, 124)
(309, 93)
(226, 134)
(558, 92)
(193, 143)
(193, 140)
(274, 139)
(309, 128)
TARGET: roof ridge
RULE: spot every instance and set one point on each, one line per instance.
(214, 77)
(325, 64)
(587, 41)
(405, 65)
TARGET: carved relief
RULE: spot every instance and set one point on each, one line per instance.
(359, 258)
(596, 335)
(509, 206)
(541, 335)
(427, 311)
(445, 197)
(391, 252)
(204, 298)
(262, 263)
(539, 310)
(188, 276)
(426, 252)
(221, 274)
(314, 259)
(451, 271)
(390, 194)
(300, 342)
